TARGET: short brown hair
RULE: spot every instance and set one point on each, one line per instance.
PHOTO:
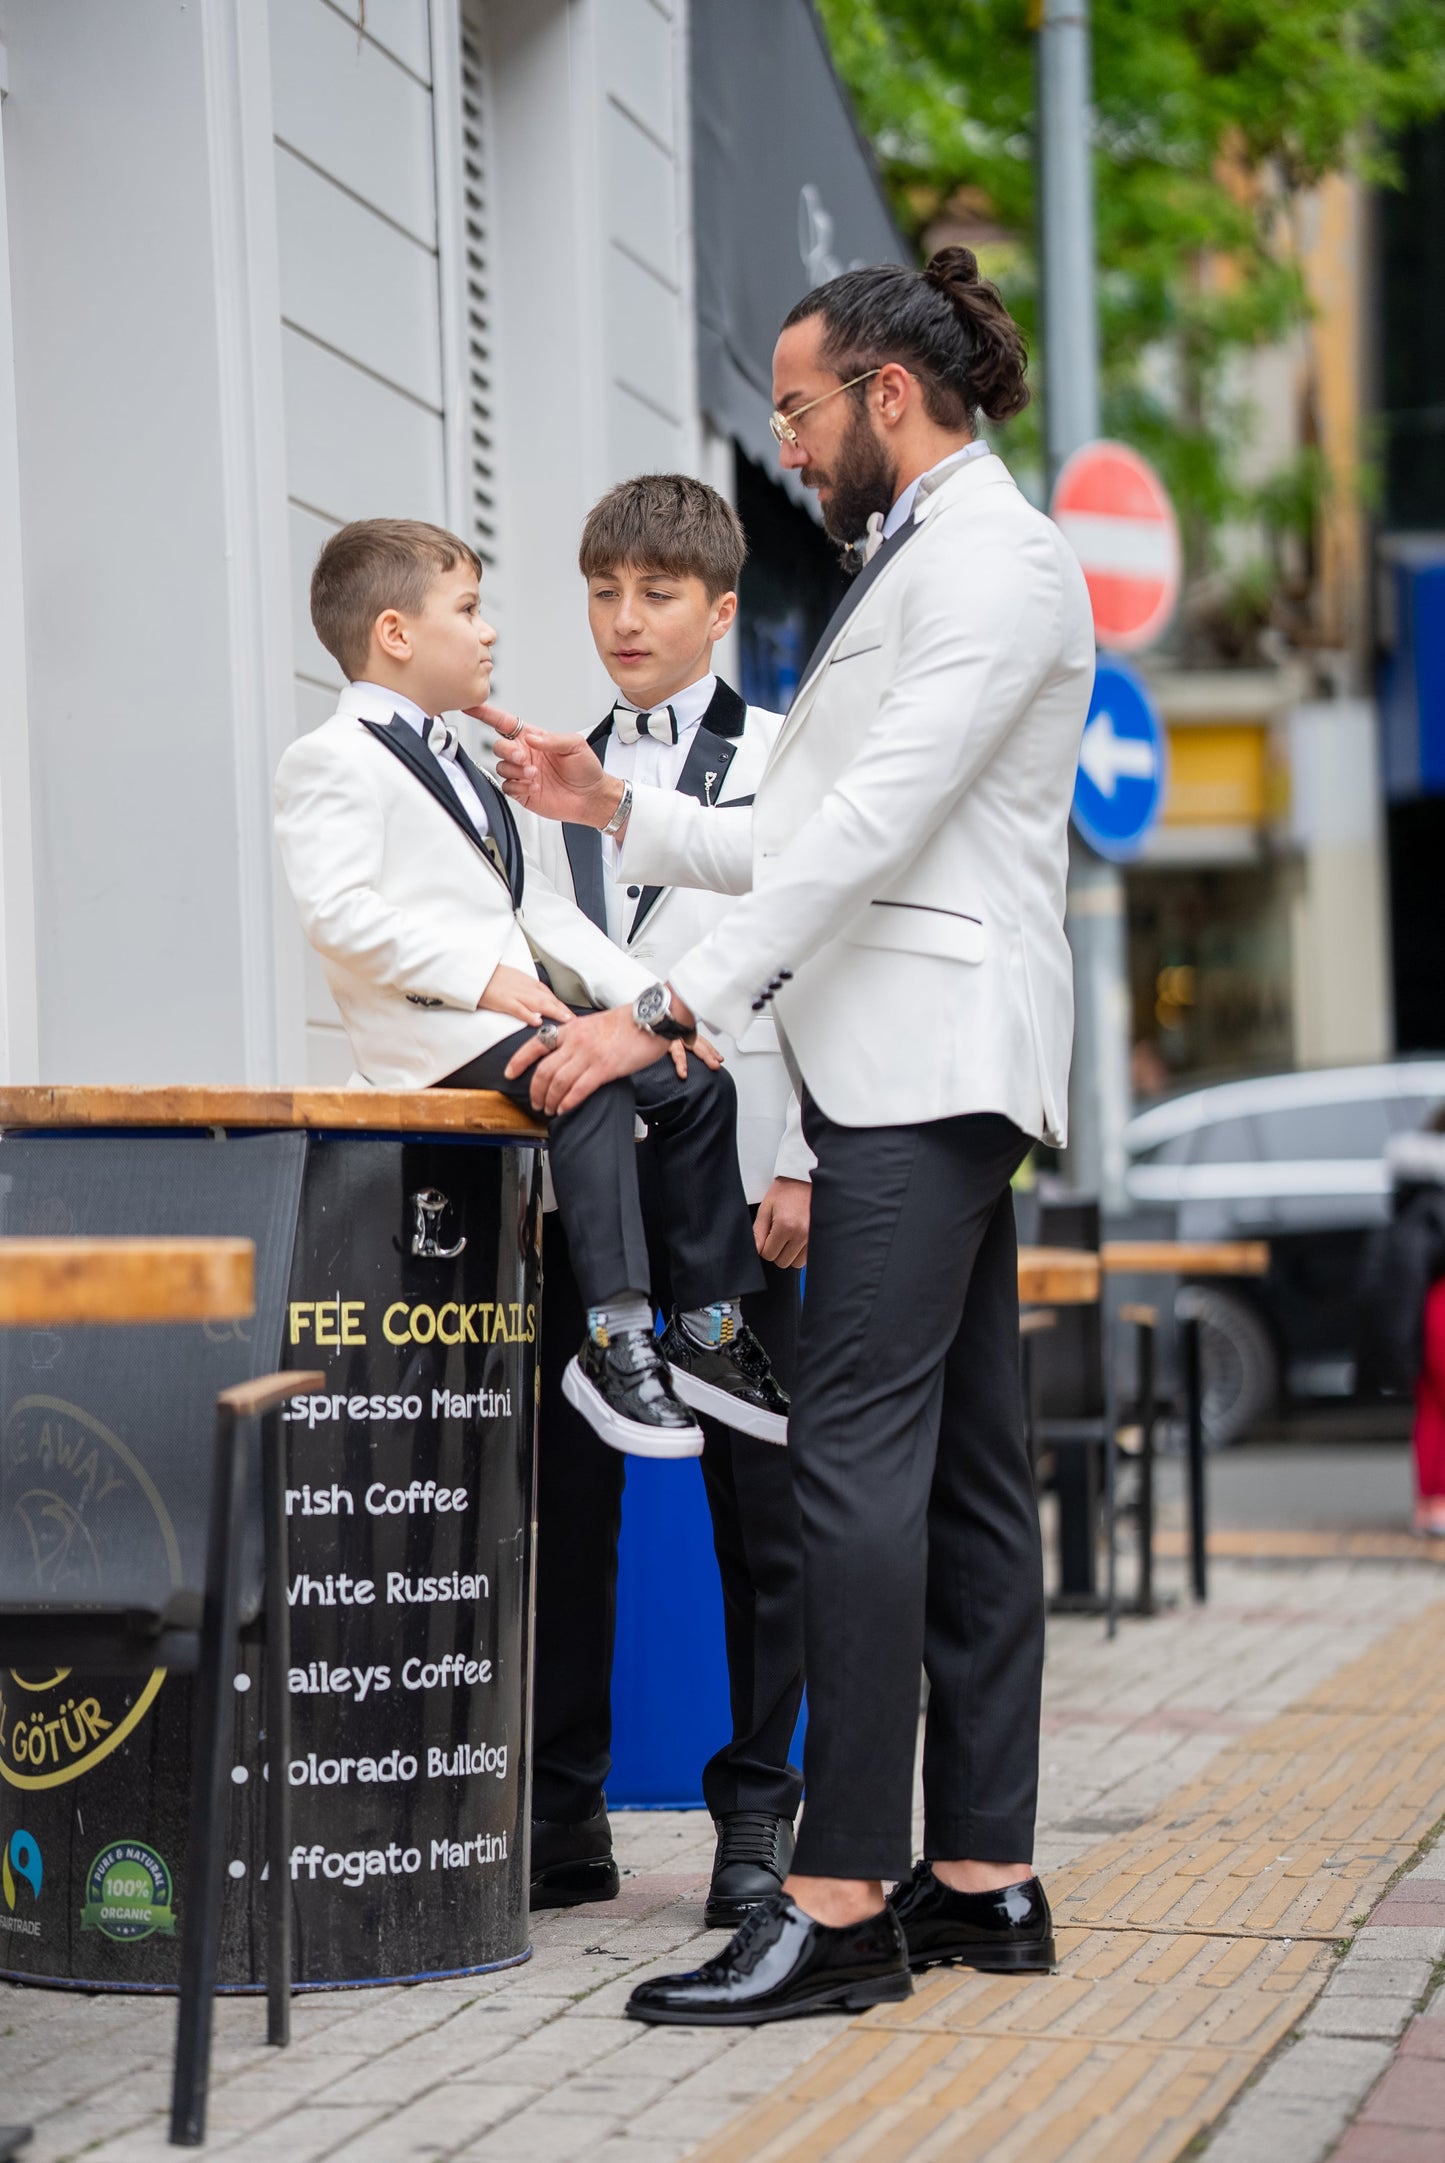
(665, 522)
(372, 565)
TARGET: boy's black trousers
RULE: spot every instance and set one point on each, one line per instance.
(705, 1226)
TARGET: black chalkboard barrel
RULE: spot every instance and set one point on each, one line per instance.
(402, 1257)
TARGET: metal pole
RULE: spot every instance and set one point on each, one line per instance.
(1193, 1364)
(1063, 89)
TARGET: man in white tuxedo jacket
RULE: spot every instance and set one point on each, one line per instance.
(662, 555)
(902, 876)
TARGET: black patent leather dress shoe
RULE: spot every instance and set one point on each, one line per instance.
(624, 1391)
(754, 1855)
(782, 1964)
(572, 1863)
(732, 1382)
(1008, 1932)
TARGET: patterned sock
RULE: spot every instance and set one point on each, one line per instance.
(629, 1310)
(716, 1325)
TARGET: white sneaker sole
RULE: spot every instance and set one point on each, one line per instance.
(720, 1404)
(628, 1435)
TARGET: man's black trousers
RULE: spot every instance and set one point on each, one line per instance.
(920, 1530)
(579, 1515)
(693, 1124)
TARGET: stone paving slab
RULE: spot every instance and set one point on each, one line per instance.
(1220, 1913)
(1156, 2025)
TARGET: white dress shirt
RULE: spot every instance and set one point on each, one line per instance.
(903, 509)
(373, 702)
(654, 765)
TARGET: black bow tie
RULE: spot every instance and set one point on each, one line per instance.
(630, 724)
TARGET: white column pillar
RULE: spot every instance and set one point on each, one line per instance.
(19, 1049)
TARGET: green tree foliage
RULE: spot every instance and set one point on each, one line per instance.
(1212, 117)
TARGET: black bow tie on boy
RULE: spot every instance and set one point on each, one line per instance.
(630, 724)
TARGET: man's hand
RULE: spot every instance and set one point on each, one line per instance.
(594, 1048)
(558, 777)
(512, 991)
(780, 1228)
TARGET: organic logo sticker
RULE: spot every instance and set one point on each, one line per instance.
(128, 1893)
(21, 1859)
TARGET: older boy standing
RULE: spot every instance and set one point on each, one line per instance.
(661, 556)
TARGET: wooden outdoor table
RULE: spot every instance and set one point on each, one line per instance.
(1185, 1257)
(397, 1254)
(53, 1281)
(1058, 1276)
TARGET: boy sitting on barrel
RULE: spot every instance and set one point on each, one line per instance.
(444, 959)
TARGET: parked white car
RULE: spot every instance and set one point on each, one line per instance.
(1299, 1160)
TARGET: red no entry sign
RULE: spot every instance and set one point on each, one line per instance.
(1117, 515)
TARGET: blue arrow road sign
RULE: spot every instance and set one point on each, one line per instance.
(1120, 783)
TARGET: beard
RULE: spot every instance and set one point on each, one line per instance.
(863, 478)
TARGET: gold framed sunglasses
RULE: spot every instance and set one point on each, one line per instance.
(782, 423)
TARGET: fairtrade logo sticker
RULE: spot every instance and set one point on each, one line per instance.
(128, 1893)
(21, 1859)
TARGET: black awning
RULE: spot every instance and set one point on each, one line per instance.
(785, 195)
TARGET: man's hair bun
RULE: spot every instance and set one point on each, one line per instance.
(946, 323)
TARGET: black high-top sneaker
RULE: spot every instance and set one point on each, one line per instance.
(623, 1391)
(733, 1382)
(754, 1854)
(573, 1863)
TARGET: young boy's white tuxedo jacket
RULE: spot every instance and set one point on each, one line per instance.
(725, 763)
(904, 862)
(406, 909)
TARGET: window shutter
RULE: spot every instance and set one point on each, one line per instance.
(477, 215)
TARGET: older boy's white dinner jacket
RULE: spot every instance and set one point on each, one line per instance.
(726, 762)
(905, 859)
(406, 909)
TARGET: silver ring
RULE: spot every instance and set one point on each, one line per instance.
(549, 1035)
(511, 735)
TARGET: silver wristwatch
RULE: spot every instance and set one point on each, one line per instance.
(652, 1011)
(623, 812)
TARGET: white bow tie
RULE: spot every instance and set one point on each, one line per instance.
(874, 540)
(441, 739)
(629, 724)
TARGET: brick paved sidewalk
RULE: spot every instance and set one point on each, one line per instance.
(538, 2063)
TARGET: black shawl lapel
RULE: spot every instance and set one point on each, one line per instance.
(853, 596)
(400, 738)
(499, 818)
(702, 776)
(584, 852)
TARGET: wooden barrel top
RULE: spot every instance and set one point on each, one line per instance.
(48, 1281)
(401, 1111)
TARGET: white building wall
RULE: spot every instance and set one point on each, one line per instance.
(267, 266)
(142, 540)
(594, 308)
(360, 317)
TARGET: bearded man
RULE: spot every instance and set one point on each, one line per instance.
(901, 881)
